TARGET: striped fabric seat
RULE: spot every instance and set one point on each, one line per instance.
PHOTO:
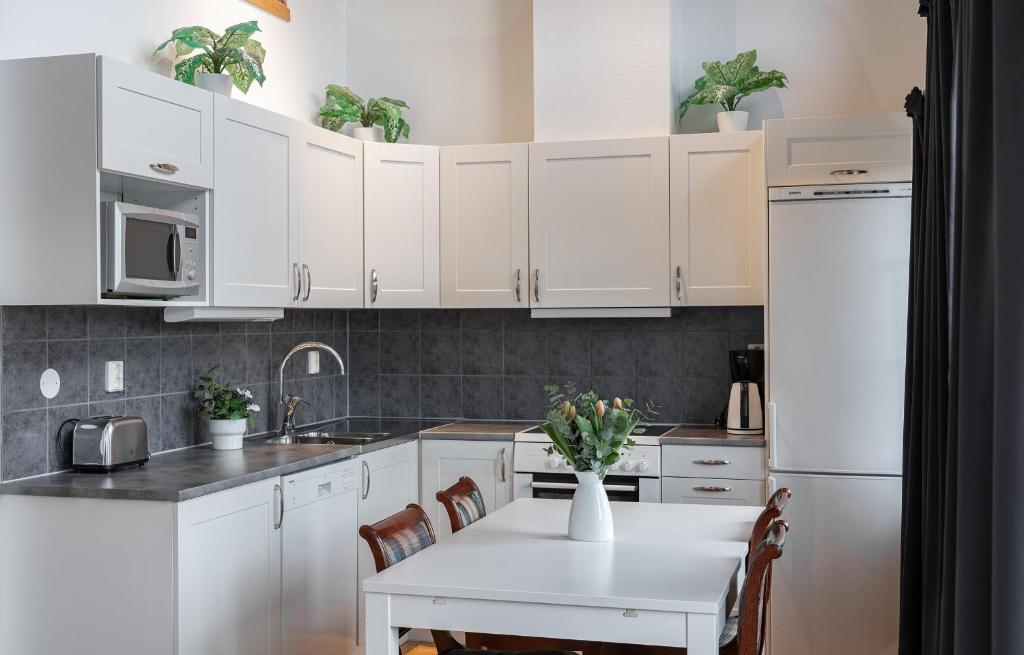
(405, 542)
(470, 508)
(463, 502)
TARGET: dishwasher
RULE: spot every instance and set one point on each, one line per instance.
(318, 522)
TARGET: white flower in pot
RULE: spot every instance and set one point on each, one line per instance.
(231, 59)
(226, 412)
(379, 119)
(726, 84)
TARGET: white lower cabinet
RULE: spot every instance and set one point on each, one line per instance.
(489, 463)
(389, 482)
(713, 475)
(712, 491)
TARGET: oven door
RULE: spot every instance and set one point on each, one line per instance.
(563, 485)
(142, 250)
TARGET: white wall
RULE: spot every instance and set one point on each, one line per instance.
(464, 66)
(601, 68)
(302, 55)
(702, 30)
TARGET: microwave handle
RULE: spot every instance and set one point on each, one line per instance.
(174, 253)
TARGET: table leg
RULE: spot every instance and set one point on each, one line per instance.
(701, 634)
(381, 636)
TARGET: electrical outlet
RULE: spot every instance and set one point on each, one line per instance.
(312, 362)
(114, 378)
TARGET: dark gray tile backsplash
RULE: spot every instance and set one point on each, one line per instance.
(443, 364)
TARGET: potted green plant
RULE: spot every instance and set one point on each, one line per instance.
(726, 84)
(591, 435)
(377, 117)
(226, 410)
(234, 58)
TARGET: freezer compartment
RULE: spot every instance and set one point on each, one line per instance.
(836, 588)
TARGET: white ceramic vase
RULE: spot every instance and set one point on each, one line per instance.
(225, 433)
(217, 82)
(733, 121)
(590, 518)
(372, 133)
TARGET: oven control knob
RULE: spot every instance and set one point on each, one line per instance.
(643, 467)
(553, 462)
(627, 465)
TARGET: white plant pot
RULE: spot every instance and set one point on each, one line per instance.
(217, 82)
(373, 133)
(226, 434)
(733, 121)
(590, 518)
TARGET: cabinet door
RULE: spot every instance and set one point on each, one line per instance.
(154, 127)
(485, 226)
(330, 219)
(712, 491)
(489, 463)
(401, 225)
(599, 224)
(229, 572)
(718, 219)
(253, 248)
(390, 481)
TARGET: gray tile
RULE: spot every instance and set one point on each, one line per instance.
(323, 398)
(258, 327)
(400, 395)
(21, 322)
(148, 409)
(704, 399)
(524, 397)
(701, 319)
(627, 325)
(323, 320)
(615, 386)
(102, 351)
(58, 457)
(175, 364)
(400, 352)
(578, 383)
(749, 319)
(564, 324)
(525, 353)
(441, 396)
(279, 346)
(481, 353)
(364, 353)
(706, 354)
(262, 397)
(482, 319)
(338, 341)
(672, 323)
(23, 363)
(364, 395)
(340, 383)
(440, 319)
(71, 361)
(303, 320)
(142, 366)
(107, 408)
(399, 319)
(177, 421)
(659, 354)
(204, 328)
(175, 329)
(568, 353)
(364, 320)
(257, 358)
(284, 324)
(481, 397)
(142, 321)
(106, 322)
(665, 394)
(519, 319)
(66, 322)
(440, 353)
(232, 327)
(24, 447)
(232, 357)
(613, 353)
(741, 340)
(340, 319)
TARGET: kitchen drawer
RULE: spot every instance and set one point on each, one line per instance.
(712, 491)
(732, 462)
(154, 127)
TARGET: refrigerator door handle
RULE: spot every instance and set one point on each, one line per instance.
(772, 434)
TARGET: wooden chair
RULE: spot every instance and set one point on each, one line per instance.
(772, 511)
(463, 502)
(743, 634)
(402, 535)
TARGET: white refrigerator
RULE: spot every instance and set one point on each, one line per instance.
(838, 259)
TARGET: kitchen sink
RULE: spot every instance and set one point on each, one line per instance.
(328, 438)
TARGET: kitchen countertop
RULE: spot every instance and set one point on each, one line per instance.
(703, 435)
(478, 430)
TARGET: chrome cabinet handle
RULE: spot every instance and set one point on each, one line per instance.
(504, 476)
(366, 476)
(298, 282)
(714, 489)
(166, 169)
(536, 284)
(712, 462)
(679, 282)
(849, 171)
(309, 282)
(278, 507)
(519, 285)
(374, 285)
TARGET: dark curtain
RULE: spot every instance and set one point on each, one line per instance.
(963, 522)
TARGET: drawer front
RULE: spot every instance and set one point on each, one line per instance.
(154, 127)
(733, 462)
(712, 491)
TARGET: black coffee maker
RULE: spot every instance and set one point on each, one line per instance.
(746, 368)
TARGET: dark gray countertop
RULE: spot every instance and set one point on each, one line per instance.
(478, 430)
(702, 435)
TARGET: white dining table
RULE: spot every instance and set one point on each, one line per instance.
(663, 581)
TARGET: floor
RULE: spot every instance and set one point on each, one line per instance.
(414, 648)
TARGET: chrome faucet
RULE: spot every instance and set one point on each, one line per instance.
(289, 403)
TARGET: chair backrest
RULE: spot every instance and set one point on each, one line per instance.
(398, 536)
(773, 510)
(463, 502)
(756, 592)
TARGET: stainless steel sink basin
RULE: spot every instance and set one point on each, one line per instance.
(329, 438)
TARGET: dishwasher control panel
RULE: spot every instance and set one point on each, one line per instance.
(322, 482)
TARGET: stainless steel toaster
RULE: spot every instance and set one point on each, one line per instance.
(105, 443)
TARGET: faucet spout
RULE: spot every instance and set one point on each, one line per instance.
(287, 404)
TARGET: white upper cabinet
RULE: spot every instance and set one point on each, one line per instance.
(599, 223)
(254, 245)
(718, 216)
(401, 225)
(839, 150)
(485, 226)
(330, 219)
(154, 127)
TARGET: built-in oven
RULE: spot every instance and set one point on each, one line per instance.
(151, 252)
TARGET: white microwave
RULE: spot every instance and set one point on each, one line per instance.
(149, 252)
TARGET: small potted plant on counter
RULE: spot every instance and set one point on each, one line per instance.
(726, 84)
(226, 410)
(234, 58)
(590, 434)
(377, 117)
